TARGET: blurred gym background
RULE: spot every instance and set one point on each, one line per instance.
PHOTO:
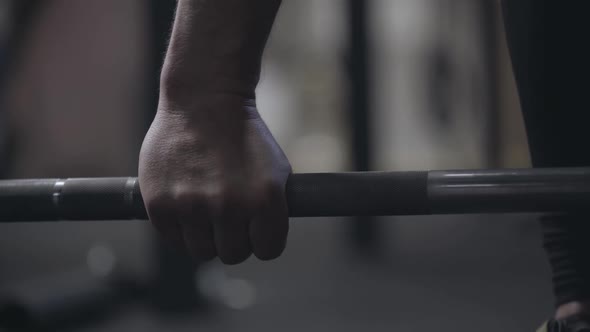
(347, 85)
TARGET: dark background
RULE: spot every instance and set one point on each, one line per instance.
(346, 85)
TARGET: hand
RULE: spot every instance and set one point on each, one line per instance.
(213, 179)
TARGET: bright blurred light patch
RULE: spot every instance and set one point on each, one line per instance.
(213, 282)
(101, 260)
(238, 294)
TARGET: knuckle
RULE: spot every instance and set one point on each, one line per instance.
(224, 199)
(217, 198)
(184, 196)
(188, 201)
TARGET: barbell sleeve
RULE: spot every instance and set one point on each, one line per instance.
(324, 194)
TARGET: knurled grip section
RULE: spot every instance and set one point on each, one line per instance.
(70, 199)
(323, 194)
(97, 199)
(357, 194)
(27, 200)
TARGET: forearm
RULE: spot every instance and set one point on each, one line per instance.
(217, 45)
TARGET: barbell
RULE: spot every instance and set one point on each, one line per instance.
(323, 194)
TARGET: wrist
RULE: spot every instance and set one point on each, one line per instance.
(233, 98)
(190, 86)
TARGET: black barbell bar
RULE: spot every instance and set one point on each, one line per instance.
(324, 194)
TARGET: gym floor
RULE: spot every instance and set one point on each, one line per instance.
(450, 273)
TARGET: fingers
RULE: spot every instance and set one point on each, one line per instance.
(197, 235)
(270, 227)
(230, 227)
(215, 224)
(231, 238)
(165, 222)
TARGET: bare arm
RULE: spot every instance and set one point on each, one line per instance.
(218, 45)
(211, 174)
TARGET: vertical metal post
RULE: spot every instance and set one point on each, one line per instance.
(5, 31)
(14, 32)
(489, 20)
(364, 229)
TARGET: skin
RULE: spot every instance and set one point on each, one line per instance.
(211, 173)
